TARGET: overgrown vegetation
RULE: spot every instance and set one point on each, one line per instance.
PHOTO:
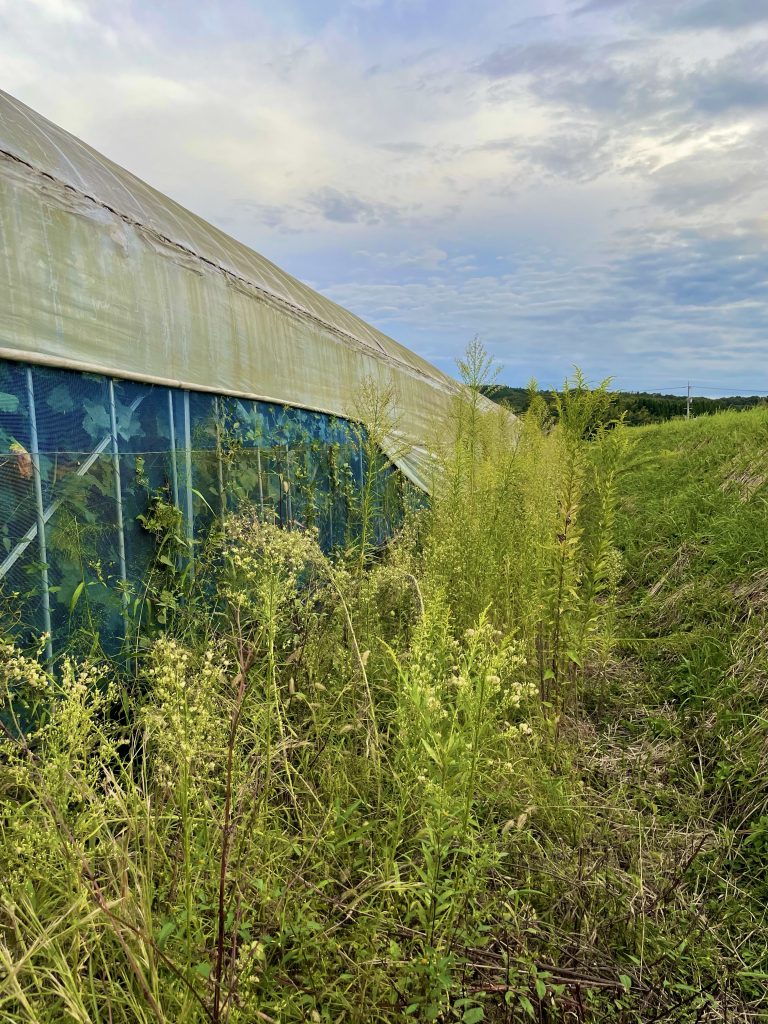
(511, 767)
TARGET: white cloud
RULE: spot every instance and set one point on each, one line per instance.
(475, 172)
(61, 11)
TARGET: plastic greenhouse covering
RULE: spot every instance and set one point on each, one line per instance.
(143, 351)
(110, 276)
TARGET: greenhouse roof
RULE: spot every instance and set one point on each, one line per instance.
(102, 272)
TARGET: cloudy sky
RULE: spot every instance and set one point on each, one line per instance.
(575, 181)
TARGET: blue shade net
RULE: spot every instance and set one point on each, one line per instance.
(106, 449)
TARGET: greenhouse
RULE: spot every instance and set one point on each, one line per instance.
(144, 352)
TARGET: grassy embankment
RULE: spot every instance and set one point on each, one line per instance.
(515, 769)
(689, 698)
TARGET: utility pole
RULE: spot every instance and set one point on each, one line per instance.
(688, 403)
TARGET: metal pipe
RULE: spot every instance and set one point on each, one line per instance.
(174, 463)
(261, 482)
(219, 460)
(188, 481)
(35, 453)
(119, 500)
(59, 362)
(288, 505)
(331, 492)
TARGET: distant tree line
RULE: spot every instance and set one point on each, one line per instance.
(638, 407)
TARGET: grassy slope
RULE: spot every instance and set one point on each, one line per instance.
(695, 536)
(689, 699)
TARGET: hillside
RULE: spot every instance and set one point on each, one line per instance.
(688, 747)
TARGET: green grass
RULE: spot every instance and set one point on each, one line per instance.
(690, 694)
(513, 769)
(694, 535)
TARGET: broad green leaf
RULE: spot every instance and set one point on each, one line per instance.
(165, 933)
(527, 1005)
(96, 421)
(76, 596)
(8, 403)
(59, 399)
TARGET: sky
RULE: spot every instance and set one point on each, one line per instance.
(577, 182)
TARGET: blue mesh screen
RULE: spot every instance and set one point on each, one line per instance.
(106, 448)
